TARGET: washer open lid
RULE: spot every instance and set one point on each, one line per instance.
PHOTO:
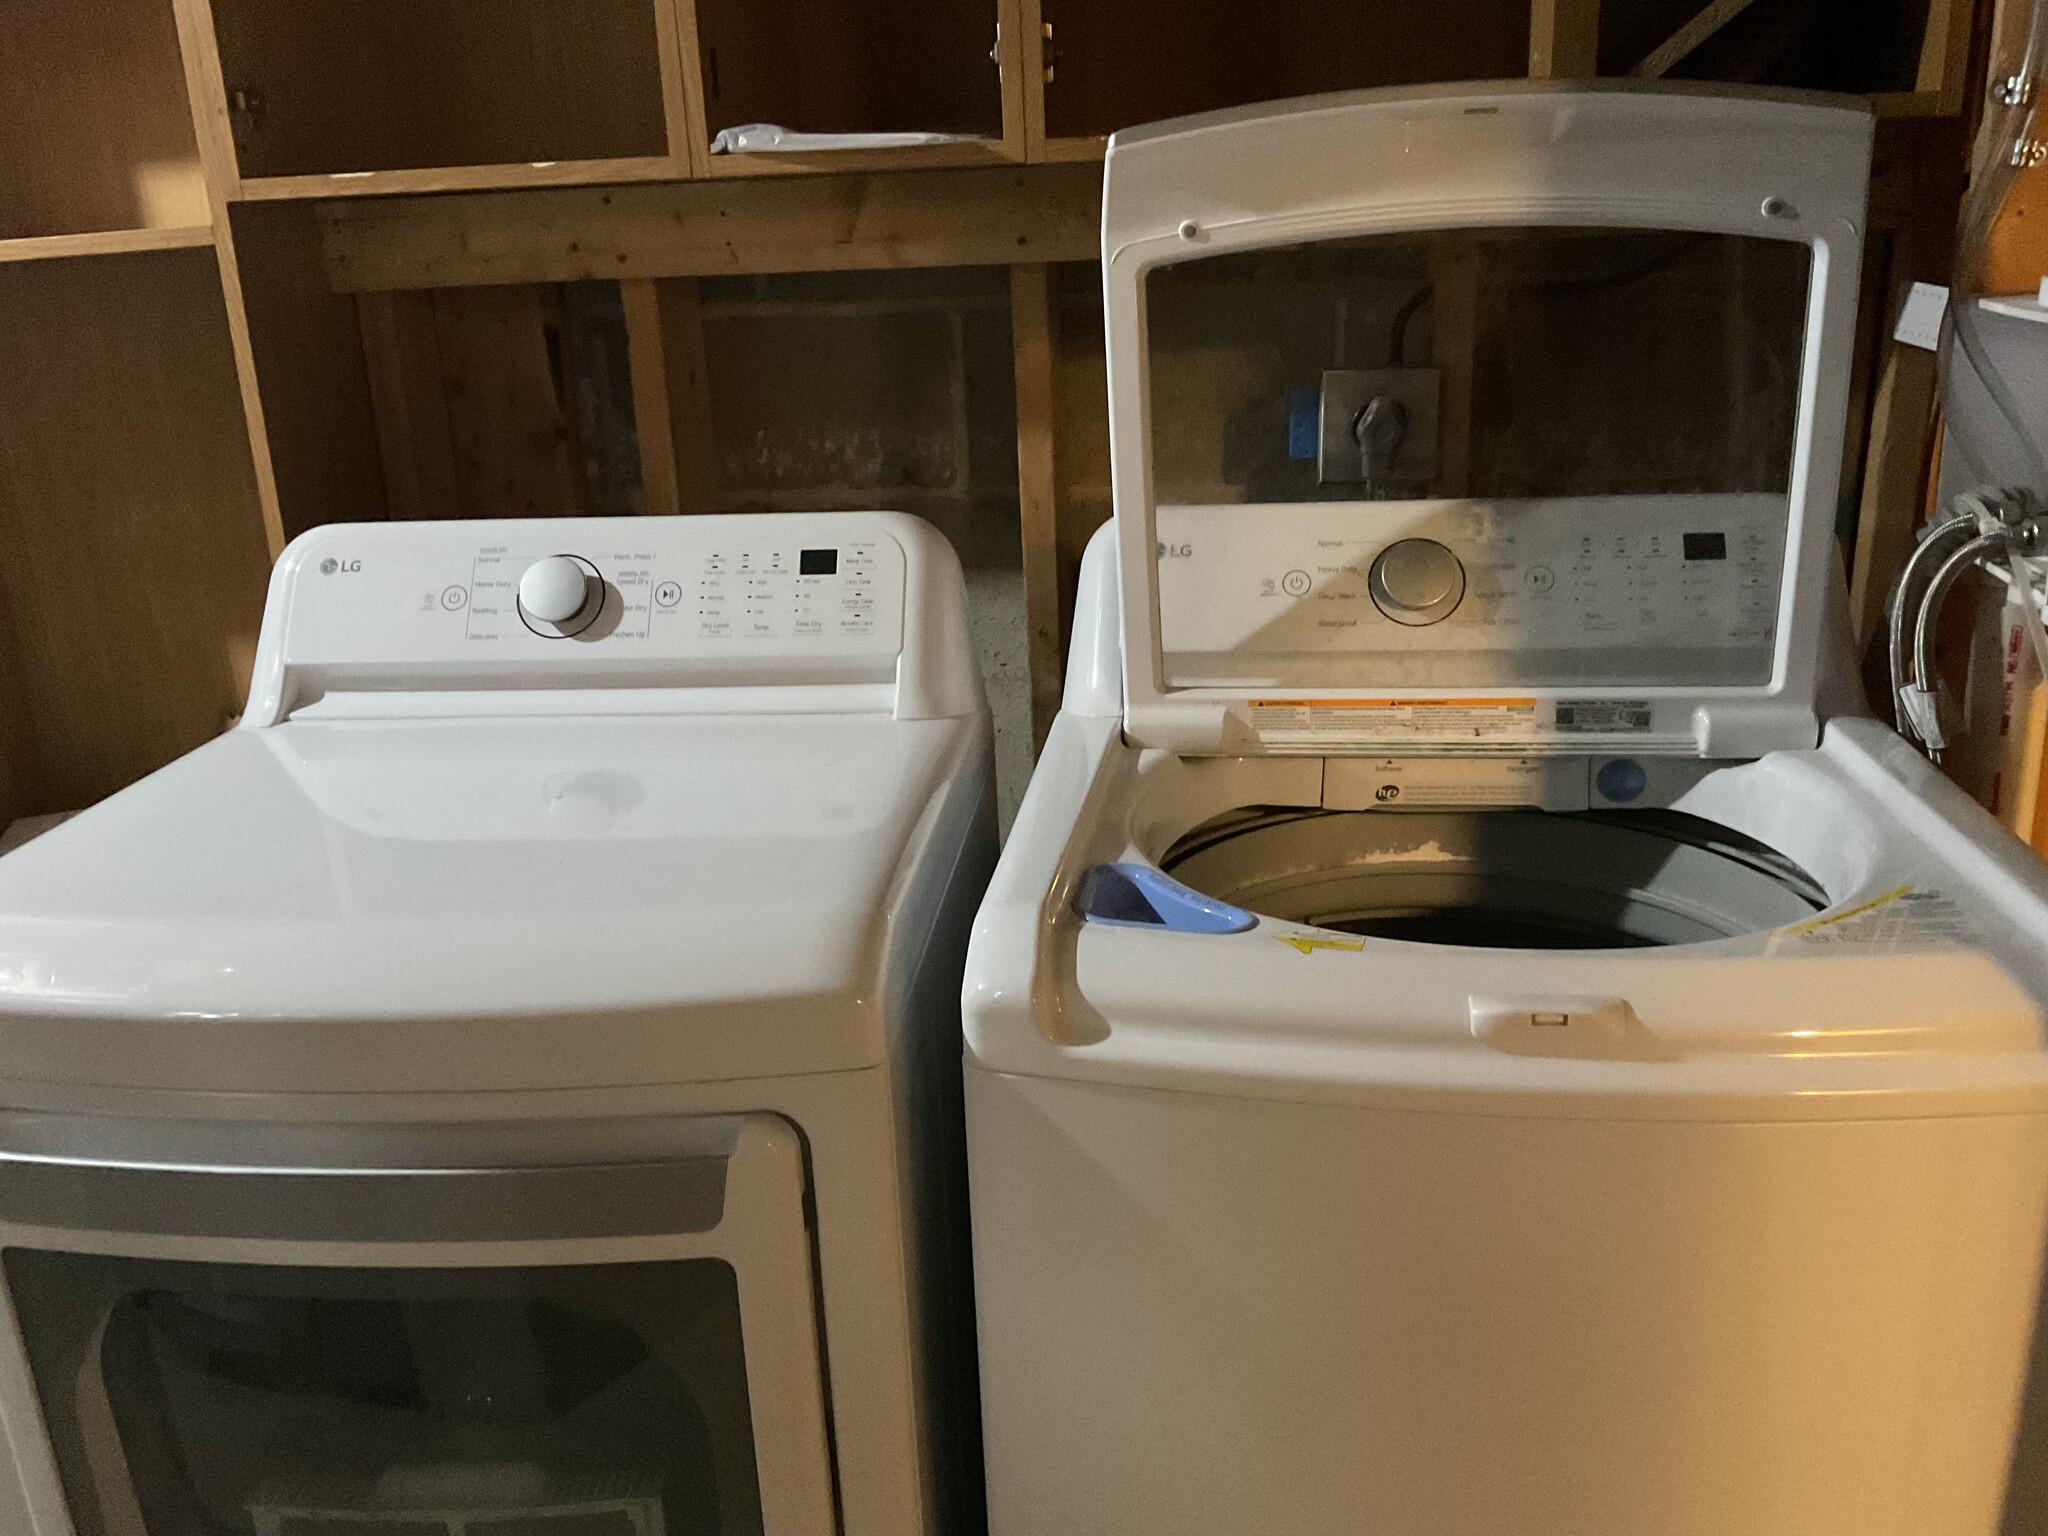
(1500, 419)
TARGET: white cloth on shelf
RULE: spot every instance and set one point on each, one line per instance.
(753, 138)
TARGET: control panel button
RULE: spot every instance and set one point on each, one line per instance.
(1416, 581)
(668, 594)
(560, 595)
(454, 598)
(1621, 779)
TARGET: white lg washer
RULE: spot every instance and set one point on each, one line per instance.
(1473, 1028)
(512, 1082)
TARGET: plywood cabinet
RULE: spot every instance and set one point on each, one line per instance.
(268, 264)
(96, 134)
(132, 557)
(1113, 66)
(318, 87)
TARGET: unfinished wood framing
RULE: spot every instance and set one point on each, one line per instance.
(1034, 345)
(1941, 85)
(305, 376)
(1454, 306)
(410, 399)
(653, 411)
(1709, 20)
(119, 242)
(671, 394)
(809, 224)
(470, 417)
(1564, 39)
(1895, 475)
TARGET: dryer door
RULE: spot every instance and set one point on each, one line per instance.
(619, 1348)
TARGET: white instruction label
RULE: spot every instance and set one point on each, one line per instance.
(1903, 918)
(1604, 717)
(1390, 783)
(1361, 722)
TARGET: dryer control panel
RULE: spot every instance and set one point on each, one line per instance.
(567, 591)
(744, 600)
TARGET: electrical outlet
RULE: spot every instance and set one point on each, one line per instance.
(1347, 392)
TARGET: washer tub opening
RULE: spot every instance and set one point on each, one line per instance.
(1506, 879)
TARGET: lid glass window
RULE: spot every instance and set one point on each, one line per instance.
(1535, 455)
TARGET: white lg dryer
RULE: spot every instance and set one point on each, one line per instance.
(1473, 1030)
(512, 1082)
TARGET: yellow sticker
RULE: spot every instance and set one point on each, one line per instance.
(1814, 924)
(1308, 945)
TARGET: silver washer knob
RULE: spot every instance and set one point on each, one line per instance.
(1416, 581)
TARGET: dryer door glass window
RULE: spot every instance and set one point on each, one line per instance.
(201, 1399)
(1475, 457)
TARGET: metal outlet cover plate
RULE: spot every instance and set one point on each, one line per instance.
(1346, 392)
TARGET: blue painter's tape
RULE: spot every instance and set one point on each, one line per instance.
(1304, 424)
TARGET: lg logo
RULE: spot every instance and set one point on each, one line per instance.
(1387, 792)
(330, 565)
(1177, 551)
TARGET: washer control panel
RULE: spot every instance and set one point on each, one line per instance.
(1651, 589)
(598, 592)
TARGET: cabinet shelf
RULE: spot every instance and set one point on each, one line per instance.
(909, 157)
(853, 66)
(95, 133)
(112, 242)
(460, 178)
(532, 90)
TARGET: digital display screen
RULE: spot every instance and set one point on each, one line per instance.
(1706, 546)
(825, 562)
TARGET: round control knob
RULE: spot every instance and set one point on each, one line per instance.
(554, 590)
(1416, 581)
(560, 595)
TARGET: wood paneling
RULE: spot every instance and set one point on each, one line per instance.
(389, 84)
(791, 224)
(132, 558)
(94, 130)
